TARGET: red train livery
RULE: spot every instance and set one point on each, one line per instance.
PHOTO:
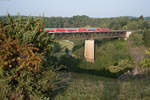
(74, 29)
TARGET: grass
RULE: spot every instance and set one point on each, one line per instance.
(66, 44)
(106, 54)
(88, 81)
(91, 87)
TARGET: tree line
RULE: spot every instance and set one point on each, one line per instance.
(138, 24)
(116, 23)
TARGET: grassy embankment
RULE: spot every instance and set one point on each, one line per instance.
(92, 81)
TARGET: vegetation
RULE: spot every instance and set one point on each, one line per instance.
(129, 23)
(23, 73)
(126, 22)
(122, 66)
(146, 62)
(88, 87)
(146, 38)
(136, 39)
(90, 81)
(31, 62)
(106, 54)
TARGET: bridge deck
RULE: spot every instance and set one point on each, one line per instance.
(88, 35)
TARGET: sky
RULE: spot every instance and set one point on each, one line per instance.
(68, 8)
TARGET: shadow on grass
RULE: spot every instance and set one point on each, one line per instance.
(61, 85)
(73, 64)
(110, 89)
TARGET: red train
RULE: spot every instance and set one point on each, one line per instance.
(75, 29)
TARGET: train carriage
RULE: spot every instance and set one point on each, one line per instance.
(75, 29)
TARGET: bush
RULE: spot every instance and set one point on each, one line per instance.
(136, 39)
(145, 64)
(109, 53)
(20, 72)
(146, 38)
(22, 52)
(122, 66)
(15, 55)
(28, 30)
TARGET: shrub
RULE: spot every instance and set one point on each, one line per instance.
(146, 38)
(146, 62)
(21, 76)
(28, 30)
(122, 66)
(136, 39)
(109, 53)
(15, 55)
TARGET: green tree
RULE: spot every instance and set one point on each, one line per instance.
(145, 64)
(23, 49)
(146, 38)
(20, 72)
(136, 39)
(28, 30)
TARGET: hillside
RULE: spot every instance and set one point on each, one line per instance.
(94, 81)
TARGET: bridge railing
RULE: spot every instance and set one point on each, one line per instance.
(88, 35)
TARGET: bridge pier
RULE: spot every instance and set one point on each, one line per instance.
(89, 50)
(128, 33)
(90, 36)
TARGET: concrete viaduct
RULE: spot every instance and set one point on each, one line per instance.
(89, 37)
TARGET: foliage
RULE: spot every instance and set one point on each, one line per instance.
(146, 62)
(20, 72)
(90, 87)
(106, 54)
(66, 44)
(22, 53)
(18, 56)
(126, 23)
(123, 65)
(23, 41)
(136, 39)
(146, 38)
(28, 30)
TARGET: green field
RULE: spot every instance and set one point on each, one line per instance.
(90, 87)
